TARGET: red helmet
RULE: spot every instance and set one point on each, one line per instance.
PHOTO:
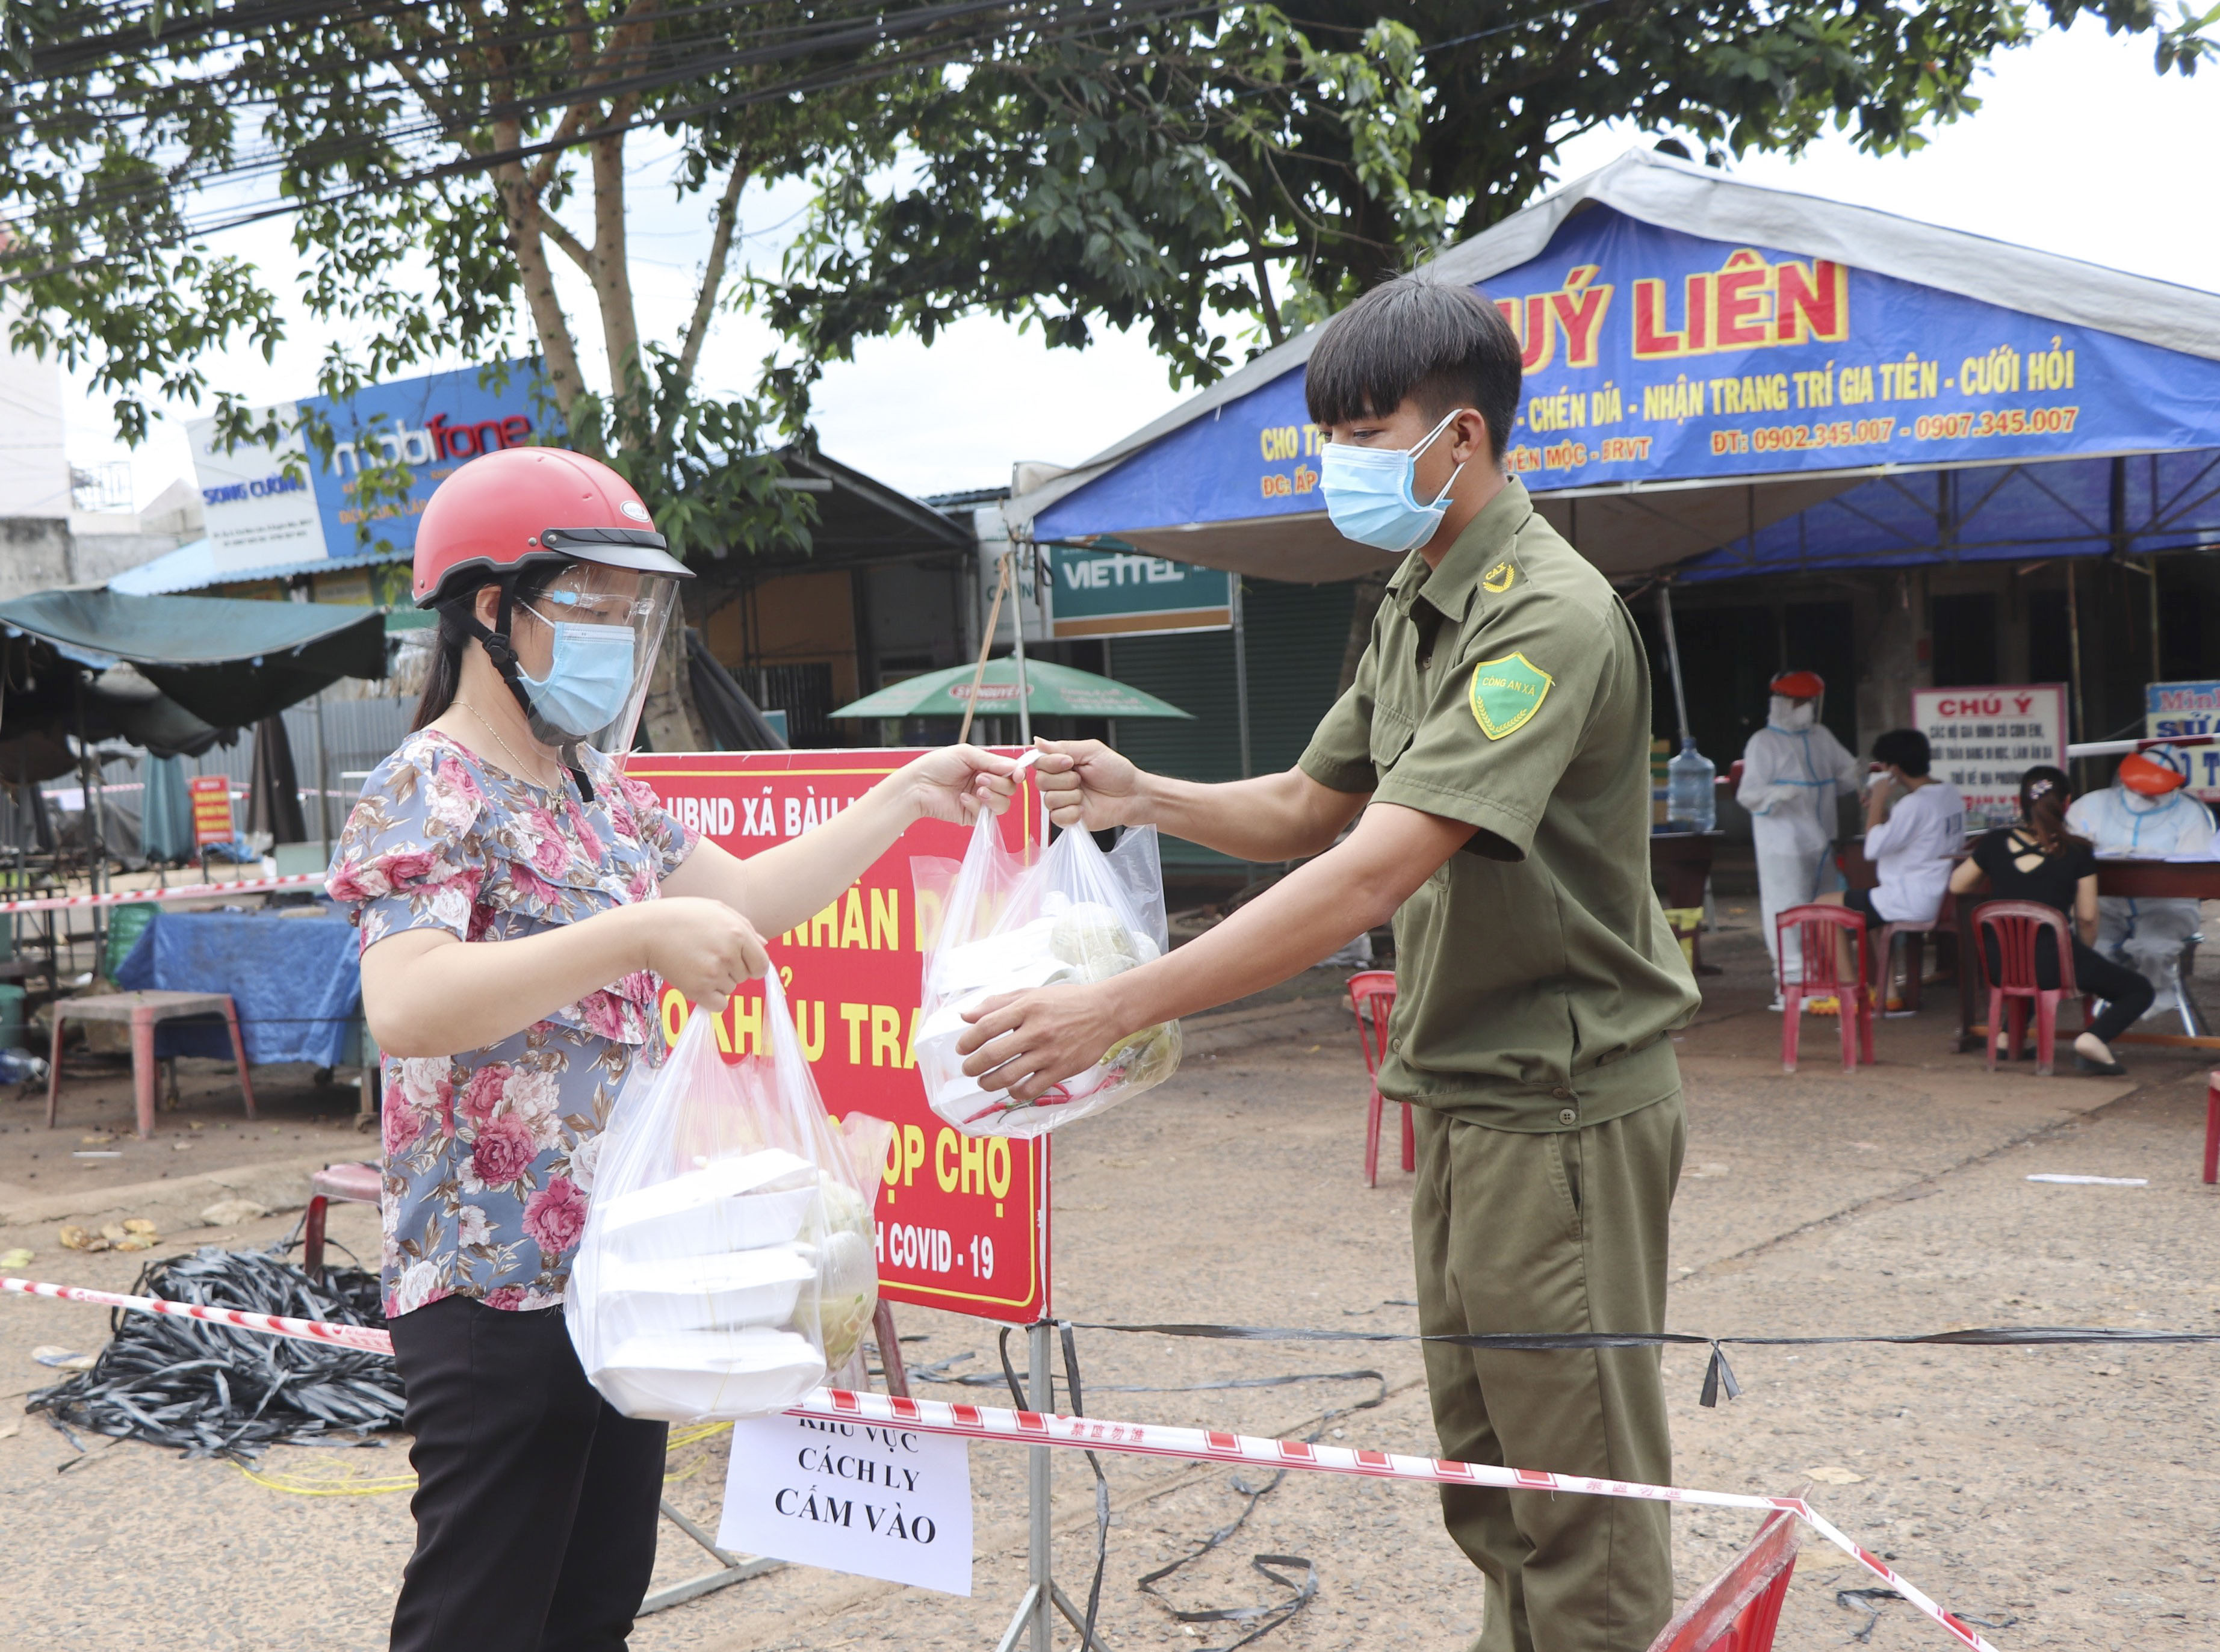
(2151, 774)
(1790, 685)
(519, 505)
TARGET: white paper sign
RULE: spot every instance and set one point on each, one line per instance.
(260, 514)
(2173, 709)
(1983, 738)
(878, 1501)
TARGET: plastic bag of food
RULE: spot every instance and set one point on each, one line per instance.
(728, 1260)
(1074, 914)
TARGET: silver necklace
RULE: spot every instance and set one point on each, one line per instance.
(523, 770)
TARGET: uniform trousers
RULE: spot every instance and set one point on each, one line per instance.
(1560, 1231)
(536, 1500)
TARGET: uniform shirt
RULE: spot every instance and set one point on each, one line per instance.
(1912, 851)
(2119, 823)
(1508, 689)
(489, 1154)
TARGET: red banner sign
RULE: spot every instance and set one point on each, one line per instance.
(963, 1222)
(211, 796)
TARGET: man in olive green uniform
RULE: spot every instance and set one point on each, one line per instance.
(1496, 739)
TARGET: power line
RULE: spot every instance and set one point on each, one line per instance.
(833, 34)
(434, 44)
(1156, 10)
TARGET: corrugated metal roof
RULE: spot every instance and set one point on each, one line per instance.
(193, 568)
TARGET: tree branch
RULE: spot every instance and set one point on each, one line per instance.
(527, 222)
(427, 93)
(640, 14)
(578, 253)
(712, 277)
(1259, 263)
(1231, 259)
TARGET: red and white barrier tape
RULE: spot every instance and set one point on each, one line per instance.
(1201, 1446)
(1094, 1434)
(180, 892)
(308, 1330)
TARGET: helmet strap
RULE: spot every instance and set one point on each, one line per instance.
(464, 610)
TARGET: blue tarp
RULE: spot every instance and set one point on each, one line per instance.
(2073, 508)
(297, 982)
(1663, 364)
(166, 813)
(229, 663)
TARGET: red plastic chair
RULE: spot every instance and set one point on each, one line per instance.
(2212, 1128)
(2015, 925)
(1739, 1609)
(1372, 995)
(1816, 928)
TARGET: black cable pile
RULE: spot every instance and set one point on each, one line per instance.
(211, 1391)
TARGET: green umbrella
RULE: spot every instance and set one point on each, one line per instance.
(1051, 691)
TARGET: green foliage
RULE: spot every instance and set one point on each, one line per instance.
(435, 160)
(699, 464)
(1269, 165)
(1218, 177)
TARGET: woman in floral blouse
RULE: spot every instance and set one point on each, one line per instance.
(521, 902)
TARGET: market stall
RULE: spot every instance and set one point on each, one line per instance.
(1729, 376)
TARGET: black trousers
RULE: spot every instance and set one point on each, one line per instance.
(535, 1500)
(2126, 992)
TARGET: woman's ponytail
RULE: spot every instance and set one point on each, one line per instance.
(2044, 793)
(445, 674)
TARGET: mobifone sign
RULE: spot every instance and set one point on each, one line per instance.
(279, 504)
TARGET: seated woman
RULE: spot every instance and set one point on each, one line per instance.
(1915, 826)
(2039, 860)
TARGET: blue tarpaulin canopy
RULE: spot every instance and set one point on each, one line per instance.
(1742, 380)
(229, 663)
(196, 666)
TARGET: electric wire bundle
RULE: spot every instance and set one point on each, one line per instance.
(210, 1391)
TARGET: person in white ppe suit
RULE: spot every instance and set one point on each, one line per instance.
(1793, 771)
(2146, 813)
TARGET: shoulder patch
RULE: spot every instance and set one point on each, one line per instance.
(1506, 693)
(1501, 577)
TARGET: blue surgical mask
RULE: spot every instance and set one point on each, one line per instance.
(1368, 492)
(589, 677)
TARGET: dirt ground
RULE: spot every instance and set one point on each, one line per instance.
(2064, 1496)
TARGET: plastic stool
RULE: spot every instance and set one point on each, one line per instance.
(2212, 1128)
(1946, 917)
(351, 1184)
(145, 1011)
(1372, 995)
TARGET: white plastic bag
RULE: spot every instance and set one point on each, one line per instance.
(1074, 915)
(728, 1262)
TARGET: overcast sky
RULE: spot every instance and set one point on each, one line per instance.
(2079, 149)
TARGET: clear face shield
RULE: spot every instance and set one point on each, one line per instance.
(586, 648)
(1794, 715)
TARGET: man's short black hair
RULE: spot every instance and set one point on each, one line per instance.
(1441, 345)
(1907, 748)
